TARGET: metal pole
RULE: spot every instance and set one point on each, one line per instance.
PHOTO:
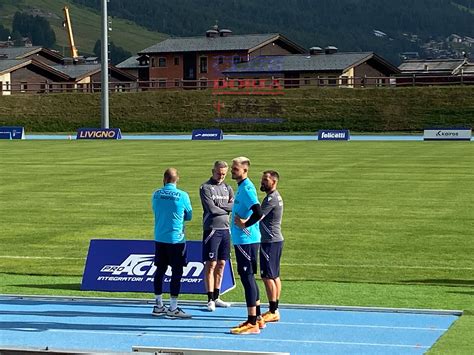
(105, 68)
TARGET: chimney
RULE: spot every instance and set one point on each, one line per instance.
(316, 50)
(330, 50)
(225, 32)
(212, 33)
(68, 61)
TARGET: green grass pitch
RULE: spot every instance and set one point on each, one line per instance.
(366, 223)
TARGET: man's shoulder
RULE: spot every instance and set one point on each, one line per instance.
(205, 184)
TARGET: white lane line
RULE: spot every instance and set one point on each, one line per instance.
(240, 338)
(355, 266)
(363, 326)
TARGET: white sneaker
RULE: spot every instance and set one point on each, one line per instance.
(177, 313)
(211, 306)
(159, 311)
(221, 303)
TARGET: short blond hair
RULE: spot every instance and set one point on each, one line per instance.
(241, 160)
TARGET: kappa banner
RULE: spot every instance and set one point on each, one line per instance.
(127, 266)
(447, 134)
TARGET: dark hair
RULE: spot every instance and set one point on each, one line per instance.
(275, 176)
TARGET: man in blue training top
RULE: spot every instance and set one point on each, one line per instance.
(171, 207)
(245, 233)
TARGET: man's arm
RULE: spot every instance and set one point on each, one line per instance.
(208, 203)
(188, 210)
(254, 217)
(227, 206)
(267, 207)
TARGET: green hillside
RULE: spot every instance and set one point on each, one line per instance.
(86, 24)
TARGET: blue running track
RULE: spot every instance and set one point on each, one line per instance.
(118, 325)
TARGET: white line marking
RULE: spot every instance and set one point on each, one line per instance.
(382, 266)
(240, 338)
(39, 257)
(363, 326)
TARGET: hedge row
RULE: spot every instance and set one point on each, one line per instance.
(297, 110)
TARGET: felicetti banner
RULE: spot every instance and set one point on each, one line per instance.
(128, 266)
(447, 134)
(99, 133)
(334, 135)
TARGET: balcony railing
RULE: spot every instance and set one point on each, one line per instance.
(243, 86)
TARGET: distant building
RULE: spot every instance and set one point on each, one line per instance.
(204, 58)
(435, 71)
(320, 67)
(40, 54)
(41, 70)
(138, 66)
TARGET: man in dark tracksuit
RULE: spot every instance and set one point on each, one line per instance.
(217, 201)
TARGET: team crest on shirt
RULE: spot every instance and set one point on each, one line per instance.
(269, 199)
(211, 255)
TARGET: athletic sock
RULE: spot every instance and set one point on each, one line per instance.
(277, 303)
(252, 320)
(173, 303)
(216, 293)
(259, 313)
(159, 300)
(273, 306)
(210, 296)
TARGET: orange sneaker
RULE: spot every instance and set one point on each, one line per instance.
(261, 322)
(245, 328)
(271, 317)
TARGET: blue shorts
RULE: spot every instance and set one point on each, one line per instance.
(270, 255)
(215, 245)
(246, 257)
(170, 254)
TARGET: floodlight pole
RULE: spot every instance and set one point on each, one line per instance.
(105, 68)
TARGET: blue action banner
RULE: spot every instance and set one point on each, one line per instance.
(99, 133)
(12, 132)
(128, 266)
(207, 134)
(334, 135)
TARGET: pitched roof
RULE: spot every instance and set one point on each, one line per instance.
(430, 66)
(207, 44)
(18, 52)
(77, 71)
(131, 63)
(23, 52)
(80, 71)
(304, 62)
(8, 65)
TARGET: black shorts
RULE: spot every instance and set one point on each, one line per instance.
(246, 257)
(270, 255)
(170, 254)
(216, 245)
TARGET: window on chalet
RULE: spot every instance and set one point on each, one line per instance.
(162, 62)
(203, 64)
